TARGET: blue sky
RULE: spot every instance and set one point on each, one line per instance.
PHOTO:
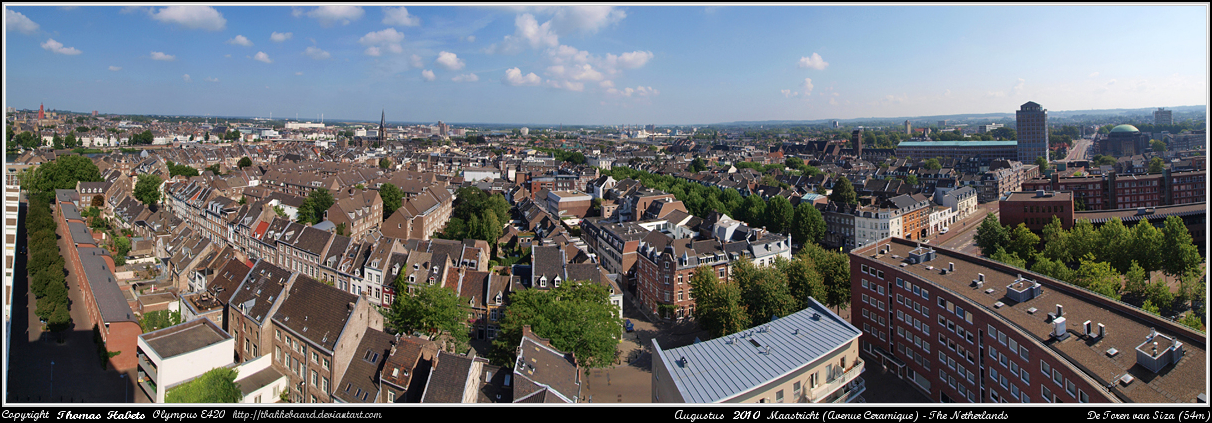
(602, 64)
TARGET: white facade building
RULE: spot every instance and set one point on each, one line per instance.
(174, 355)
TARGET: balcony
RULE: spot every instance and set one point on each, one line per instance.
(844, 388)
(148, 368)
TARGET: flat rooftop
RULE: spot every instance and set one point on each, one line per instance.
(1034, 196)
(180, 339)
(1179, 383)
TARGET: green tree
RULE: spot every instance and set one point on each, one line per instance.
(1158, 146)
(161, 319)
(214, 169)
(1052, 268)
(1009, 258)
(98, 201)
(808, 225)
(1055, 238)
(1156, 165)
(576, 317)
(1192, 321)
(843, 192)
(764, 291)
(279, 211)
(63, 173)
(384, 163)
(433, 309)
(1098, 276)
(933, 164)
(1114, 239)
(57, 142)
(244, 162)
(215, 386)
(834, 268)
(991, 235)
(779, 214)
(794, 162)
(1083, 239)
(321, 201)
(142, 138)
(753, 211)
(392, 198)
(27, 140)
(802, 279)
(147, 190)
(1182, 256)
(1160, 295)
(1146, 245)
(718, 307)
(1136, 280)
(1042, 163)
(1150, 307)
(697, 165)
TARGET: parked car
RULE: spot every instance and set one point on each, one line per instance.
(943, 231)
(627, 325)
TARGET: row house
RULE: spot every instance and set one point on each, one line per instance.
(360, 211)
(315, 352)
(421, 215)
(406, 369)
(212, 300)
(665, 265)
(256, 299)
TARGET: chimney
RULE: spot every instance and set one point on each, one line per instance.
(1060, 310)
(950, 266)
(980, 277)
(1102, 330)
(1086, 327)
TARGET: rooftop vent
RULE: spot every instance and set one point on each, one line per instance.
(1022, 290)
(1058, 329)
(1158, 351)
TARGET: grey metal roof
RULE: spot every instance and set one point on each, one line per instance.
(719, 369)
(106, 293)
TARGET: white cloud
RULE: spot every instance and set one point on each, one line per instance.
(210, 79)
(631, 60)
(471, 38)
(514, 77)
(471, 77)
(786, 93)
(192, 17)
(278, 37)
(388, 38)
(1018, 88)
(1094, 75)
(399, 16)
(428, 75)
(813, 62)
(316, 53)
(567, 85)
(450, 61)
(528, 32)
(585, 19)
(15, 21)
(240, 40)
(186, 78)
(115, 68)
(262, 57)
(416, 61)
(639, 91)
(298, 73)
(807, 85)
(57, 48)
(328, 15)
(155, 55)
(606, 84)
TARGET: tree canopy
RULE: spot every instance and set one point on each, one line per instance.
(244, 162)
(392, 198)
(576, 317)
(432, 309)
(843, 192)
(147, 189)
(63, 173)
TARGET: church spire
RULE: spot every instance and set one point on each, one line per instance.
(382, 127)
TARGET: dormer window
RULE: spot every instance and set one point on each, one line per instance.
(543, 282)
(557, 281)
(431, 280)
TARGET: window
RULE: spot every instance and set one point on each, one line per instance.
(1056, 376)
(864, 283)
(277, 353)
(992, 352)
(993, 374)
(324, 384)
(815, 378)
(1047, 393)
(925, 294)
(881, 289)
(1002, 358)
(1022, 352)
(277, 334)
(325, 364)
(795, 392)
(1001, 337)
(1070, 387)
(1044, 367)
(1024, 375)
(315, 378)
(315, 358)
(1014, 390)
(778, 396)
(900, 315)
(1082, 397)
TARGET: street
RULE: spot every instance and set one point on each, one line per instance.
(960, 237)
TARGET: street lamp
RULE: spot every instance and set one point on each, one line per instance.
(52, 381)
(126, 391)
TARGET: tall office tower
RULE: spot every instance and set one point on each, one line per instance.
(837, 124)
(1032, 132)
(857, 138)
(443, 130)
(1163, 117)
(942, 124)
(908, 128)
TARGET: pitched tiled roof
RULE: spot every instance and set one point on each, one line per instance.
(316, 311)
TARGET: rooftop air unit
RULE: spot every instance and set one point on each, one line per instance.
(1058, 329)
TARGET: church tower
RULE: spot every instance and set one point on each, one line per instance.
(383, 128)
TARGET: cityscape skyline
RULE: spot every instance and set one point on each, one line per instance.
(599, 64)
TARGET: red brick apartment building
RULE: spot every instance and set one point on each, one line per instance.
(961, 328)
(1114, 191)
(106, 305)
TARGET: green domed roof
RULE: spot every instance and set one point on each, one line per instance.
(1124, 128)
